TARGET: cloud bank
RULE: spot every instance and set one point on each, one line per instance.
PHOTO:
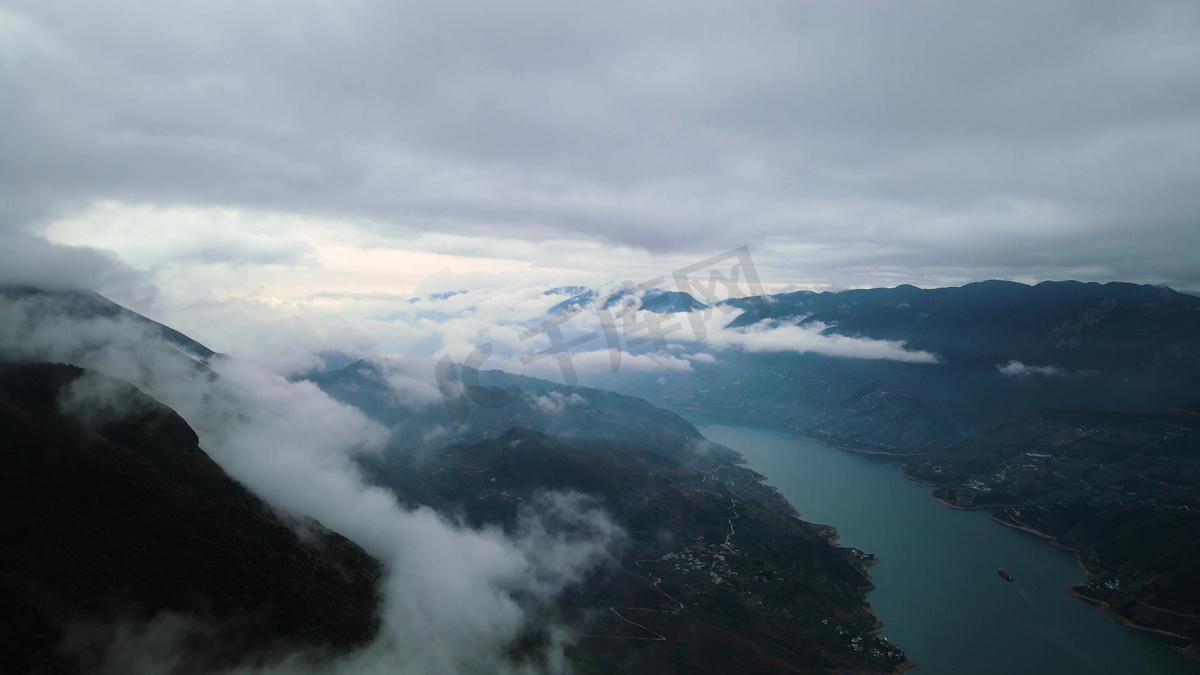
(1018, 369)
(455, 598)
(1028, 140)
(813, 338)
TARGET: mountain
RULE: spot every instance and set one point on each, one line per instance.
(433, 297)
(1114, 327)
(1119, 487)
(714, 560)
(717, 575)
(672, 302)
(1005, 351)
(113, 513)
(555, 409)
(567, 290)
(89, 305)
(123, 518)
(581, 299)
(651, 299)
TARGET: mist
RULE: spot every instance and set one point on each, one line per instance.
(813, 338)
(454, 598)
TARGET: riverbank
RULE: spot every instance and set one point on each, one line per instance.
(859, 451)
(941, 501)
(916, 480)
(799, 433)
(927, 549)
(1107, 610)
(1088, 576)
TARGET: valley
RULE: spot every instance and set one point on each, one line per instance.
(1119, 488)
(717, 574)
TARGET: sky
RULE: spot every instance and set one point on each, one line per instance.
(329, 160)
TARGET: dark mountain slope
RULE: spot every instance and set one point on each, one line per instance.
(716, 563)
(84, 305)
(671, 302)
(1007, 351)
(1120, 487)
(1073, 325)
(555, 409)
(117, 519)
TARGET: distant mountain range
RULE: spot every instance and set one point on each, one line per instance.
(1114, 327)
(654, 300)
(554, 409)
(1006, 351)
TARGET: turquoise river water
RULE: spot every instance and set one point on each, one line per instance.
(938, 594)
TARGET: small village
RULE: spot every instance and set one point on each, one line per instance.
(713, 557)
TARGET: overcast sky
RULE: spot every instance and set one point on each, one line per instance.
(300, 152)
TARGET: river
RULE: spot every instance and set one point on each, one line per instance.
(938, 594)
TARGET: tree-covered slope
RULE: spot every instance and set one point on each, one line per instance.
(1120, 487)
(112, 512)
(1004, 351)
(717, 574)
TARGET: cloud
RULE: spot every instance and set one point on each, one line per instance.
(150, 236)
(27, 260)
(1018, 369)
(165, 644)
(455, 598)
(768, 336)
(600, 361)
(555, 402)
(410, 380)
(1025, 140)
(95, 399)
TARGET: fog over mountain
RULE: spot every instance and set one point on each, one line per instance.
(454, 597)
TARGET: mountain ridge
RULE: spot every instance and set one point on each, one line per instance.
(1006, 350)
(123, 517)
(88, 305)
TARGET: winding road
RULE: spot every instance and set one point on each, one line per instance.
(657, 583)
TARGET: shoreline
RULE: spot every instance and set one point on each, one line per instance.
(799, 433)
(918, 481)
(962, 508)
(1053, 541)
(1102, 606)
(1106, 609)
(860, 451)
(828, 532)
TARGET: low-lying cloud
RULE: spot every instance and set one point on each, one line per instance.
(455, 598)
(1017, 369)
(554, 402)
(813, 338)
(28, 260)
